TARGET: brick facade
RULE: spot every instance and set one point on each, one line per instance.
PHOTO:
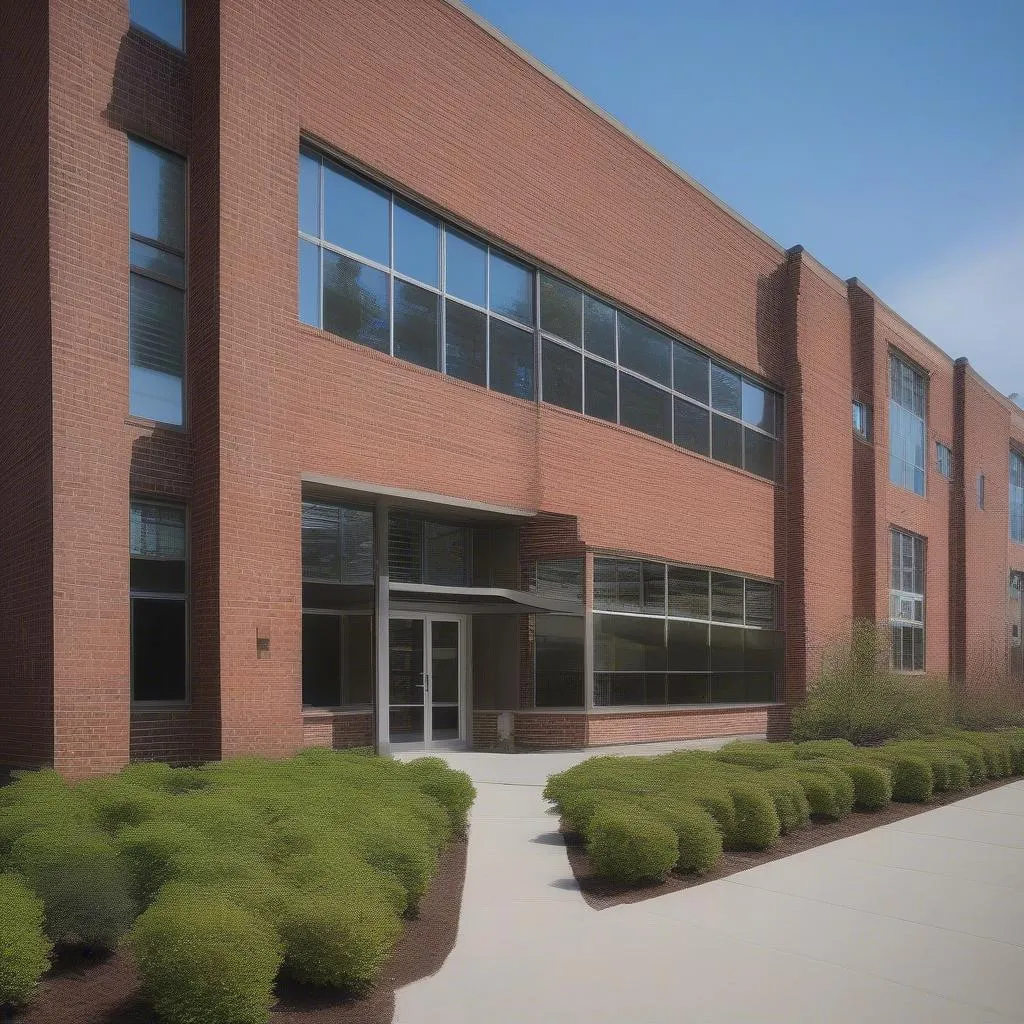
(420, 95)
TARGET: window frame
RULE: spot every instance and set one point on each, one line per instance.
(340, 613)
(148, 273)
(899, 594)
(943, 452)
(1016, 505)
(450, 225)
(709, 622)
(863, 428)
(166, 596)
(897, 358)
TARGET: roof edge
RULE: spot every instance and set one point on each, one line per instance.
(524, 55)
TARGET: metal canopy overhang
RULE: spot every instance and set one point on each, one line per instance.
(446, 506)
(481, 600)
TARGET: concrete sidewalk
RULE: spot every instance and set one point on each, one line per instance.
(920, 920)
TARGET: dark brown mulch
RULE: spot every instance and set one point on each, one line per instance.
(84, 990)
(600, 893)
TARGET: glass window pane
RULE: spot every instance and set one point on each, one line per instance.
(321, 660)
(562, 376)
(561, 309)
(726, 390)
(157, 531)
(726, 649)
(321, 533)
(511, 360)
(688, 592)
(417, 330)
(445, 554)
(156, 194)
(309, 193)
(156, 329)
(729, 688)
(417, 244)
(692, 427)
(758, 407)
(628, 643)
(763, 650)
(599, 320)
(686, 689)
(157, 261)
(356, 301)
(559, 661)
(465, 267)
(151, 576)
(405, 548)
(356, 545)
(600, 397)
(624, 689)
(159, 645)
(654, 587)
(688, 646)
(726, 441)
(617, 584)
(645, 407)
(466, 343)
(726, 598)
(690, 372)
(164, 19)
(760, 604)
(645, 350)
(511, 288)
(356, 659)
(758, 454)
(309, 283)
(356, 214)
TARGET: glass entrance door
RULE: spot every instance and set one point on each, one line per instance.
(425, 679)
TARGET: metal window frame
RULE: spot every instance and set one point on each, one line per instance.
(343, 613)
(446, 223)
(1016, 496)
(919, 381)
(169, 597)
(899, 593)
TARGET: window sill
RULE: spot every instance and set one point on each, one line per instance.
(160, 705)
(140, 421)
(655, 709)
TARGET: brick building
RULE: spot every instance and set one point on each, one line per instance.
(363, 384)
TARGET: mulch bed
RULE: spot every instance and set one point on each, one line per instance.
(81, 990)
(601, 893)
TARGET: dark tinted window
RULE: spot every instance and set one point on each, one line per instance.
(156, 345)
(727, 440)
(726, 391)
(688, 593)
(511, 360)
(726, 598)
(562, 376)
(601, 397)
(627, 643)
(758, 454)
(644, 349)
(159, 646)
(759, 407)
(688, 647)
(417, 328)
(559, 661)
(561, 309)
(692, 427)
(599, 327)
(618, 584)
(356, 301)
(690, 372)
(645, 407)
(466, 341)
(309, 283)
(156, 194)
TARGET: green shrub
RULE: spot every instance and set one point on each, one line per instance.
(335, 942)
(452, 790)
(630, 846)
(206, 961)
(118, 801)
(84, 886)
(697, 833)
(789, 798)
(757, 822)
(24, 948)
(872, 784)
(718, 803)
(845, 795)
(756, 754)
(858, 697)
(37, 800)
(995, 749)
(838, 750)
(912, 780)
(153, 851)
(821, 793)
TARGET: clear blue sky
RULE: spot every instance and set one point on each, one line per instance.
(886, 136)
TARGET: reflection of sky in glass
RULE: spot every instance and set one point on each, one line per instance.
(356, 215)
(511, 289)
(465, 268)
(165, 19)
(156, 395)
(416, 245)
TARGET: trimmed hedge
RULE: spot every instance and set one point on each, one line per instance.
(206, 961)
(24, 948)
(753, 792)
(631, 845)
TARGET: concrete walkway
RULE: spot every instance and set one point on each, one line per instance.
(920, 920)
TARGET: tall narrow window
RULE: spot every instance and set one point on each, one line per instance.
(906, 602)
(943, 459)
(156, 309)
(1017, 497)
(159, 602)
(907, 406)
(164, 19)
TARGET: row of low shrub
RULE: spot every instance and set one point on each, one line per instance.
(641, 817)
(220, 878)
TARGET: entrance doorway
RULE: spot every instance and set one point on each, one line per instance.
(426, 663)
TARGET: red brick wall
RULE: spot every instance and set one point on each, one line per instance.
(337, 729)
(656, 726)
(26, 437)
(550, 731)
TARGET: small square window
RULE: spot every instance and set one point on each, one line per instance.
(861, 420)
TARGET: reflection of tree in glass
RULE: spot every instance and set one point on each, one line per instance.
(171, 202)
(355, 301)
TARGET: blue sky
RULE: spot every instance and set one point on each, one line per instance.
(886, 137)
